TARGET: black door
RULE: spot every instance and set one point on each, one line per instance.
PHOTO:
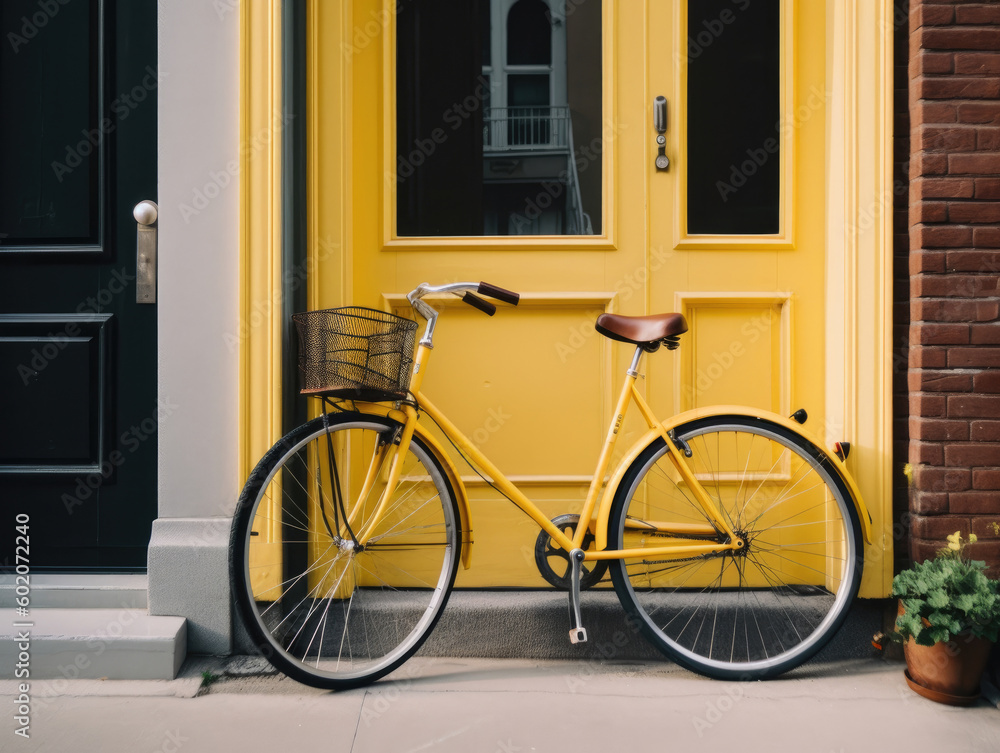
(78, 407)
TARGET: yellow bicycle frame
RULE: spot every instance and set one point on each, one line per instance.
(718, 527)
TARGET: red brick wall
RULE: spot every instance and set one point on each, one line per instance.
(954, 219)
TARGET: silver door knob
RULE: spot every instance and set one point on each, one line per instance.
(145, 212)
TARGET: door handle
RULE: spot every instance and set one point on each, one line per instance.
(145, 213)
(660, 124)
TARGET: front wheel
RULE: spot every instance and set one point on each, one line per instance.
(334, 594)
(755, 612)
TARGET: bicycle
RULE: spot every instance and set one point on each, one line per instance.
(733, 539)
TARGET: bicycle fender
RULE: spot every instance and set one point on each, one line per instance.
(457, 485)
(601, 534)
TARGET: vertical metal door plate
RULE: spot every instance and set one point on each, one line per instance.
(145, 248)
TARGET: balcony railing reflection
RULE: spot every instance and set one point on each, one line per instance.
(526, 129)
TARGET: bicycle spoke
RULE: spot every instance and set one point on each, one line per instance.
(409, 574)
(713, 472)
(343, 637)
(410, 515)
(312, 607)
(296, 578)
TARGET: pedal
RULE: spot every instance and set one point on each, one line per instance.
(578, 635)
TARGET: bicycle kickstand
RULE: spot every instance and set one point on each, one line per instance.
(577, 633)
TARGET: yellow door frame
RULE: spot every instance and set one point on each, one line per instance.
(859, 259)
(258, 336)
(859, 234)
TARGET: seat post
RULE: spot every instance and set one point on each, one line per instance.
(633, 370)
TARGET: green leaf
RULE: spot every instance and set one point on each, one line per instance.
(909, 624)
(940, 619)
(936, 634)
(964, 602)
(938, 599)
(925, 638)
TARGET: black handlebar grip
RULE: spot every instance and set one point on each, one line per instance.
(474, 300)
(500, 294)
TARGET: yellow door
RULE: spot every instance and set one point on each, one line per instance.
(535, 167)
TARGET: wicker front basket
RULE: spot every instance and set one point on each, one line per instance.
(355, 352)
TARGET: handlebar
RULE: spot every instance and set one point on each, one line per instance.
(501, 294)
(483, 288)
(476, 302)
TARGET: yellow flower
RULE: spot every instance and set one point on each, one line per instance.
(973, 538)
(954, 541)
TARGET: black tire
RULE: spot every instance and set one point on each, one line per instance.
(322, 610)
(761, 612)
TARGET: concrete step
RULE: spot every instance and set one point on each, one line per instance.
(510, 624)
(72, 591)
(535, 625)
(117, 644)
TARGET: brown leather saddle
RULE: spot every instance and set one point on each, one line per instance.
(648, 332)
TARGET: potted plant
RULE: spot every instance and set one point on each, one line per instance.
(949, 618)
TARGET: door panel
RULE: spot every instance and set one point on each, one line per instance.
(52, 72)
(535, 386)
(77, 354)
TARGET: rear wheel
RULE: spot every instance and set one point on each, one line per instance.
(323, 609)
(758, 611)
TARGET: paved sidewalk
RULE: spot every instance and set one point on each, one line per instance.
(499, 706)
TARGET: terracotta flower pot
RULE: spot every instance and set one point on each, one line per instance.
(947, 672)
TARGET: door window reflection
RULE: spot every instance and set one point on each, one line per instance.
(734, 117)
(499, 133)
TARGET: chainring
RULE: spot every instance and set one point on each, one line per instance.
(553, 561)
